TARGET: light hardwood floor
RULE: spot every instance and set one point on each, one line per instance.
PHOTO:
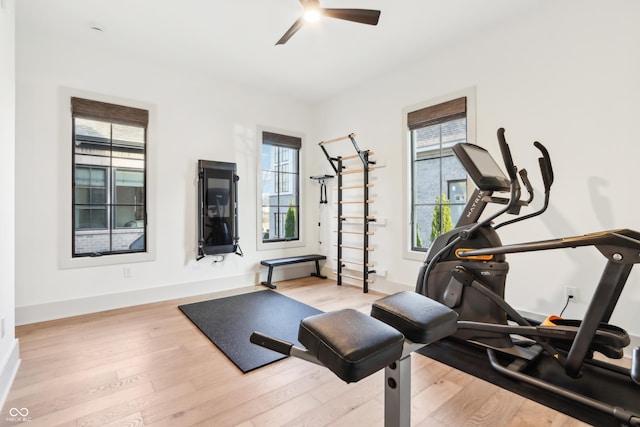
(150, 366)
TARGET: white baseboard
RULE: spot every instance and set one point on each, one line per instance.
(8, 371)
(380, 284)
(93, 304)
(61, 309)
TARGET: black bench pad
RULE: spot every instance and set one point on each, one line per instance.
(276, 262)
(291, 260)
(351, 344)
(421, 319)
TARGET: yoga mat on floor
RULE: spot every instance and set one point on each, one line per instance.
(598, 382)
(228, 322)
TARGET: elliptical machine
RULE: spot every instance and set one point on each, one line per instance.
(466, 270)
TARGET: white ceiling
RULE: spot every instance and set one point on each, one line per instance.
(235, 39)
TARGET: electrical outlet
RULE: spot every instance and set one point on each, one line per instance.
(2, 327)
(571, 293)
(126, 272)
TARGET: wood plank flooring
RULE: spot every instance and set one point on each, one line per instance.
(150, 366)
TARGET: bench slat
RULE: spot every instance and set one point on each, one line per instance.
(292, 260)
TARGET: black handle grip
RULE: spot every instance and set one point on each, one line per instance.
(506, 154)
(280, 346)
(524, 176)
(545, 165)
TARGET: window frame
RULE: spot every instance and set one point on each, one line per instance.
(470, 94)
(279, 243)
(65, 208)
(105, 149)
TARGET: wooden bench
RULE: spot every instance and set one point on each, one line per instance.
(291, 260)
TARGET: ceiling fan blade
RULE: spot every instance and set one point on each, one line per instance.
(291, 31)
(363, 16)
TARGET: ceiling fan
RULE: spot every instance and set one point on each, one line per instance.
(313, 11)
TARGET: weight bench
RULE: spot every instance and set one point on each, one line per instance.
(291, 260)
(353, 345)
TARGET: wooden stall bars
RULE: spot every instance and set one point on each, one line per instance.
(338, 165)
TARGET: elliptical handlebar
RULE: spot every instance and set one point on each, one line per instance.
(545, 166)
(513, 173)
(524, 176)
(506, 155)
(546, 170)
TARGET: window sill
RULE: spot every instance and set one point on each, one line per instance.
(415, 255)
(82, 262)
(267, 246)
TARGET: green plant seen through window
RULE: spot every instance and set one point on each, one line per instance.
(290, 222)
(442, 221)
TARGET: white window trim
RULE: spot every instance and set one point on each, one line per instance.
(470, 94)
(64, 208)
(265, 246)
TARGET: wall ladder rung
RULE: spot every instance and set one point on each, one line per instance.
(347, 172)
(356, 201)
(368, 233)
(348, 276)
(355, 262)
(340, 138)
(349, 187)
(368, 217)
(353, 156)
(360, 248)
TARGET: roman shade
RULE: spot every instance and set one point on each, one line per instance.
(281, 140)
(432, 115)
(96, 110)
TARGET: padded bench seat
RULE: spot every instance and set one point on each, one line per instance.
(276, 262)
(350, 343)
(421, 319)
(353, 345)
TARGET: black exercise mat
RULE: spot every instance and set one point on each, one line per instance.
(228, 322)
(474, 361)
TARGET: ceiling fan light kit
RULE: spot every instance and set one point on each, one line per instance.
(313, 12)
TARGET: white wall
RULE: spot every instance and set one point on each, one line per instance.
(9, 359)
(565, 74)
(197, 117)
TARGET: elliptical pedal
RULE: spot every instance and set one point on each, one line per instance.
(609, 340)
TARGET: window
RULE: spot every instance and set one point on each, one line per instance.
(280, 217)
(109, 178)
(91, 198)
(438, 180)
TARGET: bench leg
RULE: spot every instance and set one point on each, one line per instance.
(268, 283)
(397, 393)
(317, 273)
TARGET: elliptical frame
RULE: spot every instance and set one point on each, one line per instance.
(451, 255)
